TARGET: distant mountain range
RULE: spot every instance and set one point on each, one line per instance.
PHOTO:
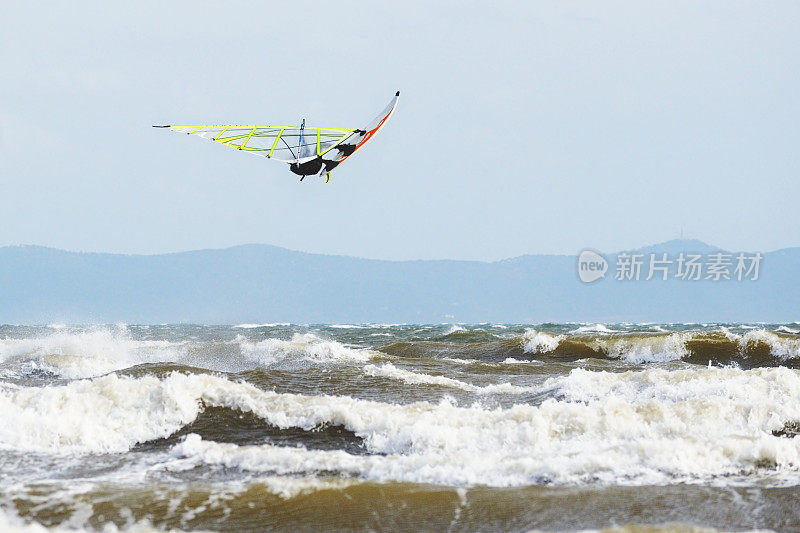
(261, 283)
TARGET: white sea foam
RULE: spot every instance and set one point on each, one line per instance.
(10, 522)
(785, 329)
(539, 341)
(779, 346)
(267, 325)
(388, 370)
(80, 354)
(454, 329)
(302, 350)
(512, 361)
(649, 426)
(290, 487)
(785, 348)
(648, 348)
(106, 414)
(645, 349)
(506, 361)
(460, 361)
(594, 328)
(94, 352)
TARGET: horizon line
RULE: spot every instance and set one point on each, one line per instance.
(252, 244)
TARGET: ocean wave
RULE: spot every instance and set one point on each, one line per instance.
(645, 427)
(645, 349)
(650, 426)
(82, 354)
(463, 335)
(754, 347)
(388, 370)
(303, 349)
(540, 342)
(484, 349)
(77, 354)
(594, 328)
(267, 325)
(784, 347)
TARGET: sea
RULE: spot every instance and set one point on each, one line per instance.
(400, 427)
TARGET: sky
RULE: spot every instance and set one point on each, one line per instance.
(522, 127)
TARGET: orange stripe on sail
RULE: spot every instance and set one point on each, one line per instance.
(369, 134)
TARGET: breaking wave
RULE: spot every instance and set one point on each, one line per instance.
(541, 342)
(594, 328)
(303, 349)
(415, 378)
(89, 353)
(255, 326)
(69, 353)
(754, 347)
(81, 354)
(649, 426)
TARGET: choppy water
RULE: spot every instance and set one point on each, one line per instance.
(402, 427)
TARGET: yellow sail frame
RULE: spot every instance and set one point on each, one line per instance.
(342, 133)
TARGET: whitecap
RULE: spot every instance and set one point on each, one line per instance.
(639, 349)
(267, 325)
(416, 378)
(594, 328)
(80, 354)
(534, 341)
(650, 426)
(303, 349)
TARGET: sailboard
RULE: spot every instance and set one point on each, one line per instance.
(308, 150)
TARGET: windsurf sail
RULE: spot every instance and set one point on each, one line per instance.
(307, 150)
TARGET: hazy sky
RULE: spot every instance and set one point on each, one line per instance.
(527, 127)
